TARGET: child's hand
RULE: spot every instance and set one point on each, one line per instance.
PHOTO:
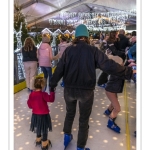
(52, 96)
(52, 89)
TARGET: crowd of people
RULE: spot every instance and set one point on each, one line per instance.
(78, 61)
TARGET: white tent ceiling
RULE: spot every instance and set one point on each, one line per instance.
(40, 11)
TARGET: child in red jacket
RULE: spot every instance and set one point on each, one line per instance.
(41, 120)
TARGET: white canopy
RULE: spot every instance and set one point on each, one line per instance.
(38, 12)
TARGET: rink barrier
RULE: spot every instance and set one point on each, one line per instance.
(22, 85)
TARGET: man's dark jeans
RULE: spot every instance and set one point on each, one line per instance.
(85, 98)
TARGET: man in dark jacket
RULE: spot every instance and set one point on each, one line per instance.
(78, 66)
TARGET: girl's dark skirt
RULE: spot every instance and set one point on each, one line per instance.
(41, 124)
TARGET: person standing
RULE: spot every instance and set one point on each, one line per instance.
(41, 120)
(122, 43)
(131, 52)
(78, 66)
(103, 78)
(29, 53)
(62, 46)
(45, 59)
(114, 86)
(132, 49)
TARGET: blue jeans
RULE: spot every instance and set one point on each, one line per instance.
(47, 73)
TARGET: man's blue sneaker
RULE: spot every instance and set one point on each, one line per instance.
(67, 139)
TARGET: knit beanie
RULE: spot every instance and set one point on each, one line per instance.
(81, 30)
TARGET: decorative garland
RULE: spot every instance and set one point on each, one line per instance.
(19, 21)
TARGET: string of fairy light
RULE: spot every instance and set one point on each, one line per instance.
(96, 19)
